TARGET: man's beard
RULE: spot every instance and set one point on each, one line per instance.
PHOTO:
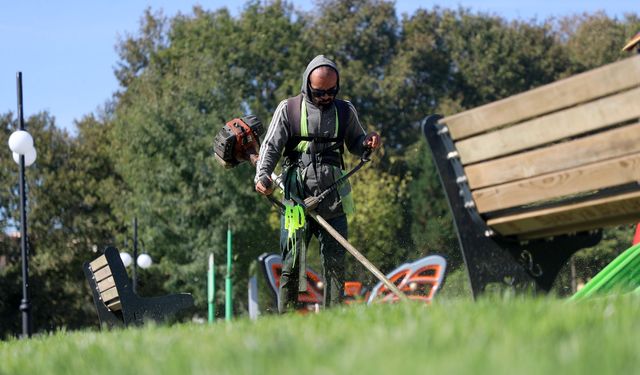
(322, 104)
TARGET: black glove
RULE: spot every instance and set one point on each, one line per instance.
(266, 182)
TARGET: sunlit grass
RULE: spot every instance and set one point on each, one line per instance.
(492, 336)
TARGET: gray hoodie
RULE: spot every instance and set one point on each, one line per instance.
(320, 121)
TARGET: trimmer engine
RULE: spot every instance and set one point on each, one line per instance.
(238, 141)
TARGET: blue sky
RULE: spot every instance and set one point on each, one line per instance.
(65, 49)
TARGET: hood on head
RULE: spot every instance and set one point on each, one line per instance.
(317, 61)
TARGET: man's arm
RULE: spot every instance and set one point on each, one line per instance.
(271, 148)
(355, 137)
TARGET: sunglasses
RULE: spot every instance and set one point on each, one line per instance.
(320, 93)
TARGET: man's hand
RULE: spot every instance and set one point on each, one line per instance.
(372, 140)
(265, 186)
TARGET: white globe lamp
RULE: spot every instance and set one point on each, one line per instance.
(126, 258)
(29, 157)
(20, 142)
(144, 261)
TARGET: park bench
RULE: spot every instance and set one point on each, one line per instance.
(117, 303)
(533, 178)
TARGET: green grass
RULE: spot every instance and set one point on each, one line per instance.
(509, 336)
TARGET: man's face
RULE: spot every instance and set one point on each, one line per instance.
(324, 87)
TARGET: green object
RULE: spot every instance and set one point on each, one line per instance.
(211, 287)
(228, 308)
(346, 197)
(304, 128)
(621, 275)
(294, 219)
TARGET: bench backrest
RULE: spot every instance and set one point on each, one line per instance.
(105, 283)
(561, 158)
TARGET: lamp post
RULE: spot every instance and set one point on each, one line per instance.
(143, 260)
(21, 144)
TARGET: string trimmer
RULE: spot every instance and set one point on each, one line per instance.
(239, 141)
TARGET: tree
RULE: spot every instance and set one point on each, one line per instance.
(593, 40)
(361, 37)
(431, 223)
(493, 59)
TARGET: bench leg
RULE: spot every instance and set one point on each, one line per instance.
(521, 265)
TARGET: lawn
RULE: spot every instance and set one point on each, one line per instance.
(492, 336)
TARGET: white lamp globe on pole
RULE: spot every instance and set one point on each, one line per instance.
(144, 261)
(126, 258)
(20, 142)
(29, 157)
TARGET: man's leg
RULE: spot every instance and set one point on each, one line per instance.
(332, 254)
(290, 277)
(288, 292)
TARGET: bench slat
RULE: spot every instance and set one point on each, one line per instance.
(98, 263)
(115, 305)
(613, 172)
(554, 127)
(109, 294)
(621, 75)
(102, 273)
(583, 226)
(107, 283)
(602, 146)
(588, 215)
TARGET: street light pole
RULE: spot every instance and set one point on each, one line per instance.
(135, 253)
(25, 306)
(143, 261)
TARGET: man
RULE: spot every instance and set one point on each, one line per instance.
(312, 130)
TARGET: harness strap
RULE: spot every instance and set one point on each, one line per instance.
(293, 114)
(299, 137)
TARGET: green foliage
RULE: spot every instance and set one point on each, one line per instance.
(135, 51)
(492, 59)
(373, 228)
(491, 336)
(431, 221)
(418, 77)
(361, 36)
(595, 40)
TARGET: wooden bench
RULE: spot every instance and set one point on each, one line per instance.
(116, 302)
(533, 178)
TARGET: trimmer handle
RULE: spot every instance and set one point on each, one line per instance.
(366, 155)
